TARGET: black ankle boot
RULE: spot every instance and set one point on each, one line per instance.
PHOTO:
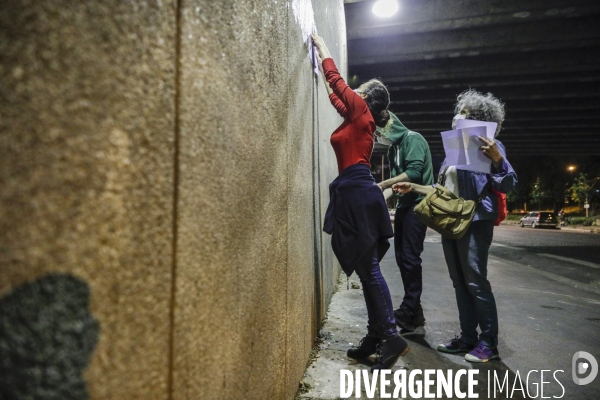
(389, 352)
(407, 320)
(366, 347)
(404, 318)
(419, 318)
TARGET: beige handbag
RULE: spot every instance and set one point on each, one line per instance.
(444, 212)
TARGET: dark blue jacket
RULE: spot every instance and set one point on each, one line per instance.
(357, 218)
(472, 184)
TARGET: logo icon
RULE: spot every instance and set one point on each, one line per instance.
(581, 367)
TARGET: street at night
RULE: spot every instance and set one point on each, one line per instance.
(560, 253)
(243, 199)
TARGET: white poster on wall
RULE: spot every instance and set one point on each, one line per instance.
(305, 18)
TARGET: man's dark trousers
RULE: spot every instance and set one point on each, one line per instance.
(409, 235)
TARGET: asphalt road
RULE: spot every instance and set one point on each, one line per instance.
(569, 254)
(547, 288)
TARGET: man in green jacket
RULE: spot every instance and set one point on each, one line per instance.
(410, 161)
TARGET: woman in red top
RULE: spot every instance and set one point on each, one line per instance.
(357, 216)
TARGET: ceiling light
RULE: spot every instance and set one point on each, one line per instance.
(385, 8)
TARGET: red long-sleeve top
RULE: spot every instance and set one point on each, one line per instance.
(352, 141)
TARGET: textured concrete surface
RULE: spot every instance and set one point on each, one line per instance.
(311, 166)
(246, 302)
(176, 158)
(303, 226)
(47, 335)
(232, 202)
(87, 141)
(331, 23)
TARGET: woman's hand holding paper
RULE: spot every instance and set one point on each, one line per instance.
(490, 150)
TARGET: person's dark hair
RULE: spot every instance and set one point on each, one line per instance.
(378, 100)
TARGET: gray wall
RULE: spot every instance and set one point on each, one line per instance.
(176, 158)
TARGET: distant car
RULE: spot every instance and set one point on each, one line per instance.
(538, 219)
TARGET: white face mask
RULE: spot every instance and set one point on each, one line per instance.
(456, 118)
(383, 140)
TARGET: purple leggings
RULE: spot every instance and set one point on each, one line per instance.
(381, 322)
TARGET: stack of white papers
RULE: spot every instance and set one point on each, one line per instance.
(462, 145)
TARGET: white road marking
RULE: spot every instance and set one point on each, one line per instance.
(561, 294)
(506, 246)
(571, 260)
(564, 302)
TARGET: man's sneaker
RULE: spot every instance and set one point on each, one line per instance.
(366, 347)
(482, 353)
(389, 351)
(455, 345)
(407, 320)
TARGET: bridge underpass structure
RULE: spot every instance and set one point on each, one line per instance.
(540, 57)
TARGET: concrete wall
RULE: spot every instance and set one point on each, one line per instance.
(175, 157)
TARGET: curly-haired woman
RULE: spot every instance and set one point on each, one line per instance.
(467, 257)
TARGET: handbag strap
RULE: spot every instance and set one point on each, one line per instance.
(442, 177)
(442, 181)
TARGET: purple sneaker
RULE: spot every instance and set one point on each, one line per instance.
(455, 345)
(482, 353)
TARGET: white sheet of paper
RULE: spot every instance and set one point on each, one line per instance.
(387, 193)
(313, 56)
(462, 149)
(305, 18)
(453, 144)
(469, 123)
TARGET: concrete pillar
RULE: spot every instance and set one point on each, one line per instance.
(171, 161)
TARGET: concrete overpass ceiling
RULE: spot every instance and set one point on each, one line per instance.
(541, 57)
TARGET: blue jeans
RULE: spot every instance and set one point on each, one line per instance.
(379, 302)
(467, 263)
(409, 235)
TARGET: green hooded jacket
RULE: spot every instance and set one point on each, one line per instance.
(408, 153)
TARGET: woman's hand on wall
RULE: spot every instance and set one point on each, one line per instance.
(323, 52)
(317, 41)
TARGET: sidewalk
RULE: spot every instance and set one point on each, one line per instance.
(521, 294)
(346, 326)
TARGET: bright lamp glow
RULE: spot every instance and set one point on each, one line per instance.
(385, 8)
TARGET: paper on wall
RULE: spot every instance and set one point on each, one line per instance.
(462, 149)
(305, 18)
(313, 56)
